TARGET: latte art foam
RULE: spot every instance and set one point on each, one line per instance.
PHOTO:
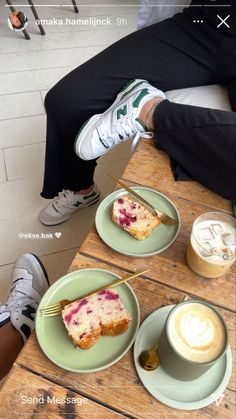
(197, 332)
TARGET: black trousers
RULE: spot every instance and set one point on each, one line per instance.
(172, 54)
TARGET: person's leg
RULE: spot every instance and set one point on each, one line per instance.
(11, 344)
(29, 283)
(201, 141)
(163, 54)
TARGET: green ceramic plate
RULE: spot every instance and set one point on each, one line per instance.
(184, 395)
(121, 241)
(52, 335)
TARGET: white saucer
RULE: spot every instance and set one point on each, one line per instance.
(184, 395)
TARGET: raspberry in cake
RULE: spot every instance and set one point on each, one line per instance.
(134, 217)
(100, 314)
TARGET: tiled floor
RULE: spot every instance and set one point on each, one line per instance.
(28, 69)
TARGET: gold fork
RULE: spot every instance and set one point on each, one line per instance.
(163, 217)
(56, 308)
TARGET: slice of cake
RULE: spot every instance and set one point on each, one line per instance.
(100, 314)
(134, 217)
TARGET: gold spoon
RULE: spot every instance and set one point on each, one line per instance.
(149, 359)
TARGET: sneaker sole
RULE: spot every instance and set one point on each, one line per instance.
(77, 144)
(90, 122)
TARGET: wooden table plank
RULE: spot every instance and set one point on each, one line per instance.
(25, 394)
(149, 166)
(168, 268)
(118, 386)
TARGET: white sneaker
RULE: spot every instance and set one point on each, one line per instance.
(29, 283)
(118, 123)
(66, 204)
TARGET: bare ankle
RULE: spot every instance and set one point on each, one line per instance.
(146, 114)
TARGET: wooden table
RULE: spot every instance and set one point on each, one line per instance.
(117, 392)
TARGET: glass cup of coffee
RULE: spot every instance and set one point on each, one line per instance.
(194, 338)
(211, 250)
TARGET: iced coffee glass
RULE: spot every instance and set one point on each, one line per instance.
(211, 250)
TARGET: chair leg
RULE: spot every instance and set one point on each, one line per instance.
(26, 35)
(12, 8)
(75, 6)
(34, 11)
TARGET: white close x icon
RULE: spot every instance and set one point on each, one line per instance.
(223, 21)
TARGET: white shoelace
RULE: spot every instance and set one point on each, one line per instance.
(66, 198)
(137, 138)
(125, 128)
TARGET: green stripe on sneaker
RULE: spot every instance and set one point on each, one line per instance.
(132, 88)
(143, 93)
(126, 85)
(121, 111)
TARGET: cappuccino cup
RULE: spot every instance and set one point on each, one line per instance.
(194, 338)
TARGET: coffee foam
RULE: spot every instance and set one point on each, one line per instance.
(197, 332)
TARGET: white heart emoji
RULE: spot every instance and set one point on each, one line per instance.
(58, 235)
